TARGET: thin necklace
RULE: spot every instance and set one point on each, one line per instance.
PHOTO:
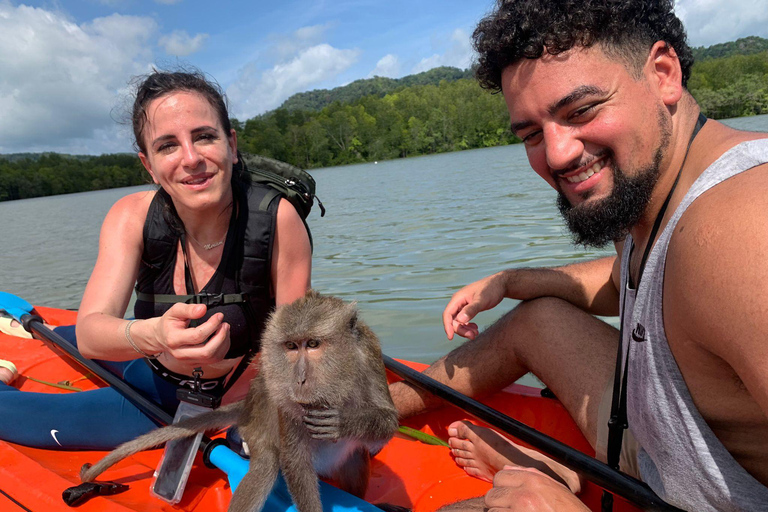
(657, 223)
(207, 247)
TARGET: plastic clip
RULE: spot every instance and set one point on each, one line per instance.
(79, 494)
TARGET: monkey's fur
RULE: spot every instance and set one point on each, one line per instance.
(319, 405)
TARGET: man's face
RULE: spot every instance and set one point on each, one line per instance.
(594, 132)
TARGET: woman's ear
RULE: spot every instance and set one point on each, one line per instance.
(233, 144)
(147, 166)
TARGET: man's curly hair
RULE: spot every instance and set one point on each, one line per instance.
(625, 29)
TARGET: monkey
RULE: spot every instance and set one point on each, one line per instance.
(319, 405)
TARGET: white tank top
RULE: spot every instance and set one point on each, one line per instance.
(680, 458)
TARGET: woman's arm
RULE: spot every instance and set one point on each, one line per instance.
(101, 329)
(100, 323)
(291, 256)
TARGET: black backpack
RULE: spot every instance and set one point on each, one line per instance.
(297, 185)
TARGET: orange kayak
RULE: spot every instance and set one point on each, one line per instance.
(407, 472)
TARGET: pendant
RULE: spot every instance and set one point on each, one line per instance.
(208, 247)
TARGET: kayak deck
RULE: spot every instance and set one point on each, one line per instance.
(407, 472)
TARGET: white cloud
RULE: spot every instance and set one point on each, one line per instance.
(256, 91)
(60, 81)
(459, 54)
(388, 66)
(285, 46)
(710, 22)
(181, 44)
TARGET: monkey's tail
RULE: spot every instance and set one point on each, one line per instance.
(216, 419)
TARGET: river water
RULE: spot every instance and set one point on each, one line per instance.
(400, 237)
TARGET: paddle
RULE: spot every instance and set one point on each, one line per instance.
(603, 475)
(21, 310)
(215, 453)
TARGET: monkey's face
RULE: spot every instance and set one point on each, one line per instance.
(311, 352)
(303, 358)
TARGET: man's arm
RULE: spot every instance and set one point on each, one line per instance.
(716, 287)
(479, 366)
(589, 285)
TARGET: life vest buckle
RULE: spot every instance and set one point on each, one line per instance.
(209, 299)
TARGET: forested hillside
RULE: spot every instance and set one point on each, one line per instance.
(376, 86)
(732, 86)
(744, 46)
(414, 120)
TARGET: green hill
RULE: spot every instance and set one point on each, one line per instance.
(744, 46)
(316, 100)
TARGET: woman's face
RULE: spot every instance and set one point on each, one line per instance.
(188, 153)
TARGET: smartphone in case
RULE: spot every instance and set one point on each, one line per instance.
(171, 475)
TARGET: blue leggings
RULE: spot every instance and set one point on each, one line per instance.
(99, 419)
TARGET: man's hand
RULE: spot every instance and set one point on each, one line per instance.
(525, 489)
(469, 301)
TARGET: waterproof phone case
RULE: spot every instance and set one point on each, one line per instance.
(171, 475)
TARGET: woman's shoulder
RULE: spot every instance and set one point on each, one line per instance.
(130, 211)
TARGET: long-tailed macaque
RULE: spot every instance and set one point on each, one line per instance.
(319, 405)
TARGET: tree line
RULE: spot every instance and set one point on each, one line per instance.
(51, 174)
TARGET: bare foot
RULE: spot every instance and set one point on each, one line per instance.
(483, 452)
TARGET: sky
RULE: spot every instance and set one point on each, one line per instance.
(66, 65)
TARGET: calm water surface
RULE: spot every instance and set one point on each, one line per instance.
(400, 237)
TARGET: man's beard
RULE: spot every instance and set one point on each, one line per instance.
(608, 220)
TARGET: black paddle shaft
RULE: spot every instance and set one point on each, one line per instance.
(593, 470)
(35, 325)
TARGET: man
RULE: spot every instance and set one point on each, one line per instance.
(596, 91)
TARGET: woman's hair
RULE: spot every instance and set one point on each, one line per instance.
(625, 30)
(159, 83)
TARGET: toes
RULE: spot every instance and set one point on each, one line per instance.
(462, 454)
(459, 429)
(464, 463)
(458, 443)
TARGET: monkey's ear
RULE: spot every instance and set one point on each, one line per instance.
(352, 323)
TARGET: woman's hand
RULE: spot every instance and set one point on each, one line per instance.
(204, 344)
(479, 296)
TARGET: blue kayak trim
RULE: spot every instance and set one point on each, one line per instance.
(279, 500)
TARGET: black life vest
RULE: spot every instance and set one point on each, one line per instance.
(244, 274)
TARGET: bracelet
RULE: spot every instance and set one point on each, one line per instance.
(133, 343)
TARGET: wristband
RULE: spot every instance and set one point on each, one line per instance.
(133, 343)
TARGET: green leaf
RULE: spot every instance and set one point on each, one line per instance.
(421, 436)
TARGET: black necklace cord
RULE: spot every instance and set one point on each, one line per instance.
(618, 421)
(660, 216)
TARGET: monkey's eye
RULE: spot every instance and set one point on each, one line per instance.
(313, 343)
(290, 345)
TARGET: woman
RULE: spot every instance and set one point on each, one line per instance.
(204, 237)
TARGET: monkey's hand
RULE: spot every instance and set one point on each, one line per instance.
(323, 423)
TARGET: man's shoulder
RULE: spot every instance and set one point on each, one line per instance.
(719, 139)
(736, 207)
(716, 256)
